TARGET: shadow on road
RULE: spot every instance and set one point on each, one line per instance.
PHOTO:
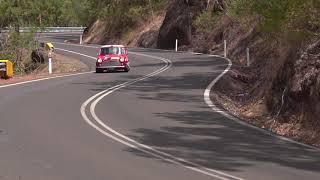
(203, 136)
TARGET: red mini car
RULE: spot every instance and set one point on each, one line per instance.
(112, 58)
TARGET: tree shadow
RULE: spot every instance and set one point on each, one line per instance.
(206, 137)
(200, 135)
(216, 142)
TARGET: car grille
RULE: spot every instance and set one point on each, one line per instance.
(112, 63)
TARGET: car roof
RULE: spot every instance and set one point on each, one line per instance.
(104, 46)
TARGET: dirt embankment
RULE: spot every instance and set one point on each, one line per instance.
(61, 65)
(143, 34)
(279, 91)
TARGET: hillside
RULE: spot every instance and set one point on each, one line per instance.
(137, 26)
(279, 91)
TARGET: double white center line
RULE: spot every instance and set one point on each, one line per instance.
(91, 118)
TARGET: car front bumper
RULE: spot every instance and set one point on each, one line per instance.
(110, 67)
(122, 66)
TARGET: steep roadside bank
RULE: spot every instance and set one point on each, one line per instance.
(278, 91)
(288, 105)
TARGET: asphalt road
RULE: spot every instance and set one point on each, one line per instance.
(156, 125)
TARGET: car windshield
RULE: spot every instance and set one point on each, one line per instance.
(110, 50)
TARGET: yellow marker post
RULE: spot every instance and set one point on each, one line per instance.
(49, 47)
(6, 69)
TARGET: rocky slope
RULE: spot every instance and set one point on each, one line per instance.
(278, 91)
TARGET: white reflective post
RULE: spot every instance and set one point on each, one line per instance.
(176, 44)
(225, 48)
(50, 62)
(80, 39)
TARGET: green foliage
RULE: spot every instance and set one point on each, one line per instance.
(293, 17)
(17, 48)
(130, 11)
(30, 12)
(42, 13)
(206, 21)
(15, 43)
(121, 14)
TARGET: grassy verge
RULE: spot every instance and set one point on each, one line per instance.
(61, 65)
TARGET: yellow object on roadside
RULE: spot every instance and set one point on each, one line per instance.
(6, 69)
(49, 47)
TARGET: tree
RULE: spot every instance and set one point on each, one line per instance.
(295, 19)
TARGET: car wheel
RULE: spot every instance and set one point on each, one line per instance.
(127, 68)
(99, 70)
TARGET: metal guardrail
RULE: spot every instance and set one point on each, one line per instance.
(49, 29)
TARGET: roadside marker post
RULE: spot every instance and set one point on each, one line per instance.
(176, 45)
(248, 57)
(50, 62)
(80, 39)
(225, 48)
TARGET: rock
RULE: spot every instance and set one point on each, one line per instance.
(307, 73)
(301, 77)
(148, 39)
(178, 21)
(176, 25)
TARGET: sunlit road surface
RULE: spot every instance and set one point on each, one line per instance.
(150, 123)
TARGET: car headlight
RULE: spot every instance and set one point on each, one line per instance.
(121, 59)
(99, 60)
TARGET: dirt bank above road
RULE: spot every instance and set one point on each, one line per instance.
(280, 89)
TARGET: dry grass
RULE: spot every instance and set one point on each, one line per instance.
(132, 37)
(61, 65)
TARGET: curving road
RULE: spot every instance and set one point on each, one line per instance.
(150, 123)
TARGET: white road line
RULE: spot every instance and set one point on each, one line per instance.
(78, 45)
(55, 77)
(181, 161)
(76, 53)
(134, 144)
(208, 101)
(42, 79)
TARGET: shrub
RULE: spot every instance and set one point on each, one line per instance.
(298, 18)
(206, 21)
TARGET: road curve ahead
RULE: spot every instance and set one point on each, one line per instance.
(150, 123)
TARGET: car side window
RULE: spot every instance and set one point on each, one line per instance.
(116, 50)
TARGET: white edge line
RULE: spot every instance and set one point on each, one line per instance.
(215, 108)
(209, 102)
(173, 159)
(70, 44)
(76, 53)
(54, 77)
(43, 79)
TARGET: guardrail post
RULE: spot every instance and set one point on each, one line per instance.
(225, 48)
(176, 45)
(81, 39)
